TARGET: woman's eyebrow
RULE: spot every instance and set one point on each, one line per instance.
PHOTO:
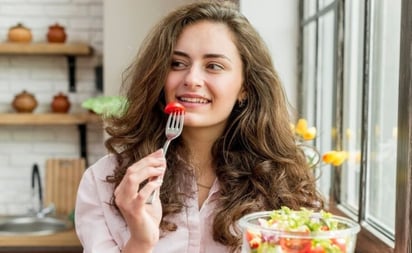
(217, 56)
(183, 54)
(180, 53)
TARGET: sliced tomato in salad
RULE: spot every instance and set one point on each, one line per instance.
(174, 107)
(317, 249)
(294, 245)
(254, 239)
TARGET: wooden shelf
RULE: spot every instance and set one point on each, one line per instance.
(48, 119)
(69, 50)
(81, 120)
(74, 49)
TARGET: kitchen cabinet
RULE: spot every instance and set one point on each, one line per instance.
(70, 51)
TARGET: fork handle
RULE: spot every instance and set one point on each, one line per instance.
(152, 195)
(149, 201)
(166, 146)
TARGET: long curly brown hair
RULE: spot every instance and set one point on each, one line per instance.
(257, 161)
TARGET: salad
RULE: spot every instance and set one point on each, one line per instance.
(302, 231)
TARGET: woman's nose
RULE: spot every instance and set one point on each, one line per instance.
(194, 77)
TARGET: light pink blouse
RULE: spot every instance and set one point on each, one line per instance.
(101, 229)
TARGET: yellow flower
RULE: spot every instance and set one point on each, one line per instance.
(309, 134)
(335, 158)
(305, 132)
(329, 156)
(340, 158)
(301, 127)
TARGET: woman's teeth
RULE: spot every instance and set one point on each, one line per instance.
(194, 100)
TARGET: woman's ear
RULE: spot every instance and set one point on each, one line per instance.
(242, 96)
(241, 99)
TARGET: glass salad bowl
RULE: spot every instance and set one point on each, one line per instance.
(303, 231)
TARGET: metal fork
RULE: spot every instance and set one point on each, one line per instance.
(174, 127)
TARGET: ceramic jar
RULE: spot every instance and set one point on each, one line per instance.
(24, 102)
(56, 34)
(60, 103)
(19, 33)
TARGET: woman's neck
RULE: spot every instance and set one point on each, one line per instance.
(200, 144)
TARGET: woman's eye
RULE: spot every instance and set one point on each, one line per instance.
(178, 65)
(215, 66)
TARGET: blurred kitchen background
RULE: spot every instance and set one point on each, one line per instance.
(114, 40)
(345, 65)
(45, 76)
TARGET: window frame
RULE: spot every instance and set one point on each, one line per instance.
(367, 241)
(403, 235)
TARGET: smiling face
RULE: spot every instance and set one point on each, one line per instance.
(206, 75)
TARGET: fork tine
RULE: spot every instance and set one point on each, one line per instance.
(169, 120)
(174, 121)
(181, 121)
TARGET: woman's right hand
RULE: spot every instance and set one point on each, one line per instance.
(142, 219)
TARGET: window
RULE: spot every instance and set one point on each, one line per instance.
(352, 92)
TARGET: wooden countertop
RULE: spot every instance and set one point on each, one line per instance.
(61, 239)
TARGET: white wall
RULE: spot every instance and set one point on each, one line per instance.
(126, 23)
(278, 23)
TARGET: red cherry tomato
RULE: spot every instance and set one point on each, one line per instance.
(292, 245)
(254, 239)
(324, 228)
(174, 107)
(250, 235)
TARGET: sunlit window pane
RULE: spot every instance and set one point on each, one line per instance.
(325, 90)
(324, 3)
(309, 8)
(352, 102)
(309, 73)
(384, 67)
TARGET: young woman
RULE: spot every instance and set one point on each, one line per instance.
(236, 154)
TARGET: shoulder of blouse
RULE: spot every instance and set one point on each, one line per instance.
(103, 167)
